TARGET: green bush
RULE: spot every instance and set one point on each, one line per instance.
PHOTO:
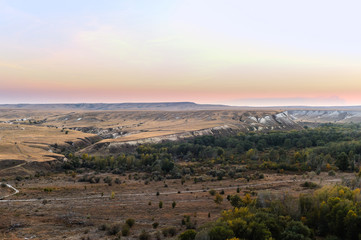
(212, 192)
(309, 185)
(188, 235)
(130, 222)
(155, 225)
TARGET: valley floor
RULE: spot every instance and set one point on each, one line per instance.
(61, 207)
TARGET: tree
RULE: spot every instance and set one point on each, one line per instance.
(236, 201)
(296, 231)
(342, 161)
(174, 204)
(220, 233)
(166, 165)
(274, 156)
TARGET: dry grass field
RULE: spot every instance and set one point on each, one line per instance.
(133, 121)
(32, 143)
(60, 207)
(26, 134)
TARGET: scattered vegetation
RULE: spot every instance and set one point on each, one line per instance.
(332, 212)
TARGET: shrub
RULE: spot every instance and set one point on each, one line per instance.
(19, 178)
(218, 199)
(212, 192)
(48, 189)
(171, 231)
(104, 227)
(113, 230)
(188, 235)
(155, 225)
(125, 230)
(108, 180)
(144, 236)
(130, 222)
(174, 204)
(160, 204)
(309, 185)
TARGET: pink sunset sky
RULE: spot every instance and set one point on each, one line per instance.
(255, 53)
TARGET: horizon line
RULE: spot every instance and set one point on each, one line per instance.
(181, 102)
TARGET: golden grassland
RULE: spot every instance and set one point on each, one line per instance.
(32, 143)
(24, 141)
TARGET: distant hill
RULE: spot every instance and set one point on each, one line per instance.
(166, 106)
(170, 106)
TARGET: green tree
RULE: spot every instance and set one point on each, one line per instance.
(296, 231)
(342, 161)
(166, 165)
(220, 233)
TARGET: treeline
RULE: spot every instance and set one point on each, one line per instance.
(157, 163)
(331, 212)
(328, 147)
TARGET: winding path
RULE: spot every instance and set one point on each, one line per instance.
(139, 194)
(9, 186)
(2, 200)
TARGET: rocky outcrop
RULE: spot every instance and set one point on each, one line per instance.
(104, 133)
(268, 122)
(324, 116)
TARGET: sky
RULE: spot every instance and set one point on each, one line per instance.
(237, 52)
